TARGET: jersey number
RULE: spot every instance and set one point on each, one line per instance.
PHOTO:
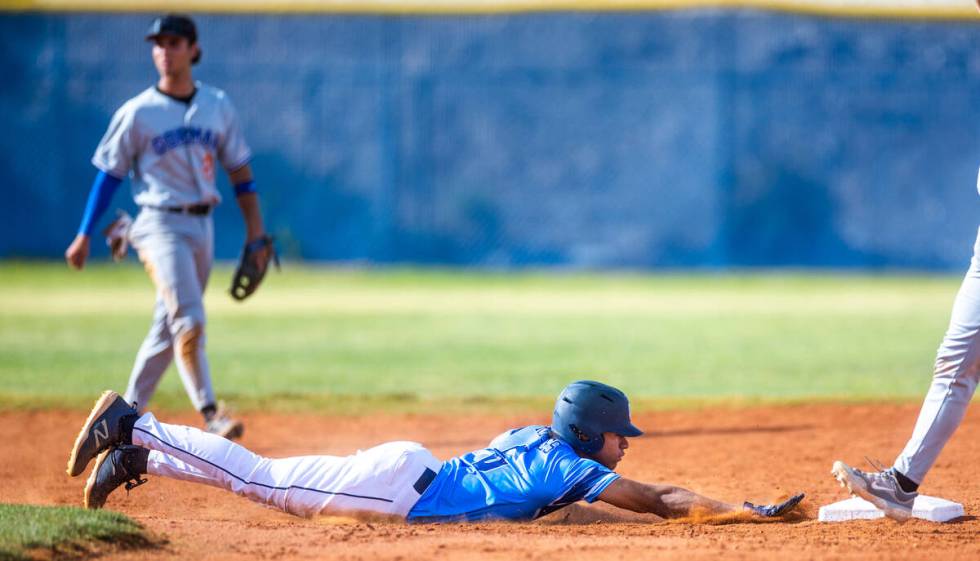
(207, 167)
(491, 462)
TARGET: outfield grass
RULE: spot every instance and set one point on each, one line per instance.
(65, 530)
(406, 335)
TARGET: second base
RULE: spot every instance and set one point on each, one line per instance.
(925, 507)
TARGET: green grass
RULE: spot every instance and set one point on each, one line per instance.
(63, 530)
(398, 338)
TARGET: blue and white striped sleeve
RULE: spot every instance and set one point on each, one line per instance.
(586, 479)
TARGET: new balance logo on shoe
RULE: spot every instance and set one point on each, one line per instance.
(101, 436)
(103, 428)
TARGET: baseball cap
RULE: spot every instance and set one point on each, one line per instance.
(177, 25)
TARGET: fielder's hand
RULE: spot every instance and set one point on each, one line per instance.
(117, 235)
(772, 511)
(77, 252)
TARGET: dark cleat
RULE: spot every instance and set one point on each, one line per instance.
(114, 467)
(102, 429)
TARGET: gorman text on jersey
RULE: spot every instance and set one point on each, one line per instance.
(184, 135)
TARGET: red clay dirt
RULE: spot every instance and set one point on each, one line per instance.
(759, 454)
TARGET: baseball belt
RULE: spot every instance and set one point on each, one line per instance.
(196, 210)
(424, 480)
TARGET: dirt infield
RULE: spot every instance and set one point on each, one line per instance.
(733, 454)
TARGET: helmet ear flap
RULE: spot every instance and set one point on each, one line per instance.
(581, 436)
(588, 444)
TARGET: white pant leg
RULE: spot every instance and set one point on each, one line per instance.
(379, 480)
(158, 463)
(955, 377)
(154, 356)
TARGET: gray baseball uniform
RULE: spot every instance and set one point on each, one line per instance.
(955, 378)
(170, 147)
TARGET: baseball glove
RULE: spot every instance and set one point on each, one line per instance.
(252, 267)
(117, 235)
(772, 511)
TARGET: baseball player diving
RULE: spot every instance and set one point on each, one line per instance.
(522, 474)
(168, 141)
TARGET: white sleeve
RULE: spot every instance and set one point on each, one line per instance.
(118, 148)
(233, 152)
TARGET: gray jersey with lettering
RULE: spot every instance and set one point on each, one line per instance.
(171, 147)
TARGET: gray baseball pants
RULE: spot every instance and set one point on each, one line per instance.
(954, 379)
(177, 251)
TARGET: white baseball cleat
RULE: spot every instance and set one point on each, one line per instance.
(223, 425)
(880, 488)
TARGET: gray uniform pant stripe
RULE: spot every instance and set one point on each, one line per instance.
(954, 379)
(177, 251)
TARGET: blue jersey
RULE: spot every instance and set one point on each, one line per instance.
(523, 474)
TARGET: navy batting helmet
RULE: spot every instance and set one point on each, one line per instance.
(586, 409)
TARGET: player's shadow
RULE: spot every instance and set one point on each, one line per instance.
(714, 431)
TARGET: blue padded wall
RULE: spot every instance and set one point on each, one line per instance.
(639, 140)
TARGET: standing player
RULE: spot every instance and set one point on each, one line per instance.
(955, 377)
(169, 139)
(523, 474)
(954, 380)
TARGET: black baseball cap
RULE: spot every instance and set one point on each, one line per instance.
(177, 25)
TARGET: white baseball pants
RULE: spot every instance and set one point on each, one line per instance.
(954, 379)
(380, 480)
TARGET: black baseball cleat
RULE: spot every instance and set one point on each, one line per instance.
(103, 429)
(114, 467)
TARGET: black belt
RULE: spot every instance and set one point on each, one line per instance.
(424, 480)
(196, 210)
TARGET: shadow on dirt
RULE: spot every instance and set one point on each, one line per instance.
(712, 431)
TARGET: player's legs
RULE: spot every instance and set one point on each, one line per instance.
(380, 480)
(152, 360)
(166, 244)
(954, 380)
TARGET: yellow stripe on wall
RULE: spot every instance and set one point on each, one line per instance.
(908, 9)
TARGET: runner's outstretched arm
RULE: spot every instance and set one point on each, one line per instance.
(663, 500)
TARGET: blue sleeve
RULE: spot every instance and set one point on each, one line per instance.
(585, 480)
(99, 198)
(599, 485)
